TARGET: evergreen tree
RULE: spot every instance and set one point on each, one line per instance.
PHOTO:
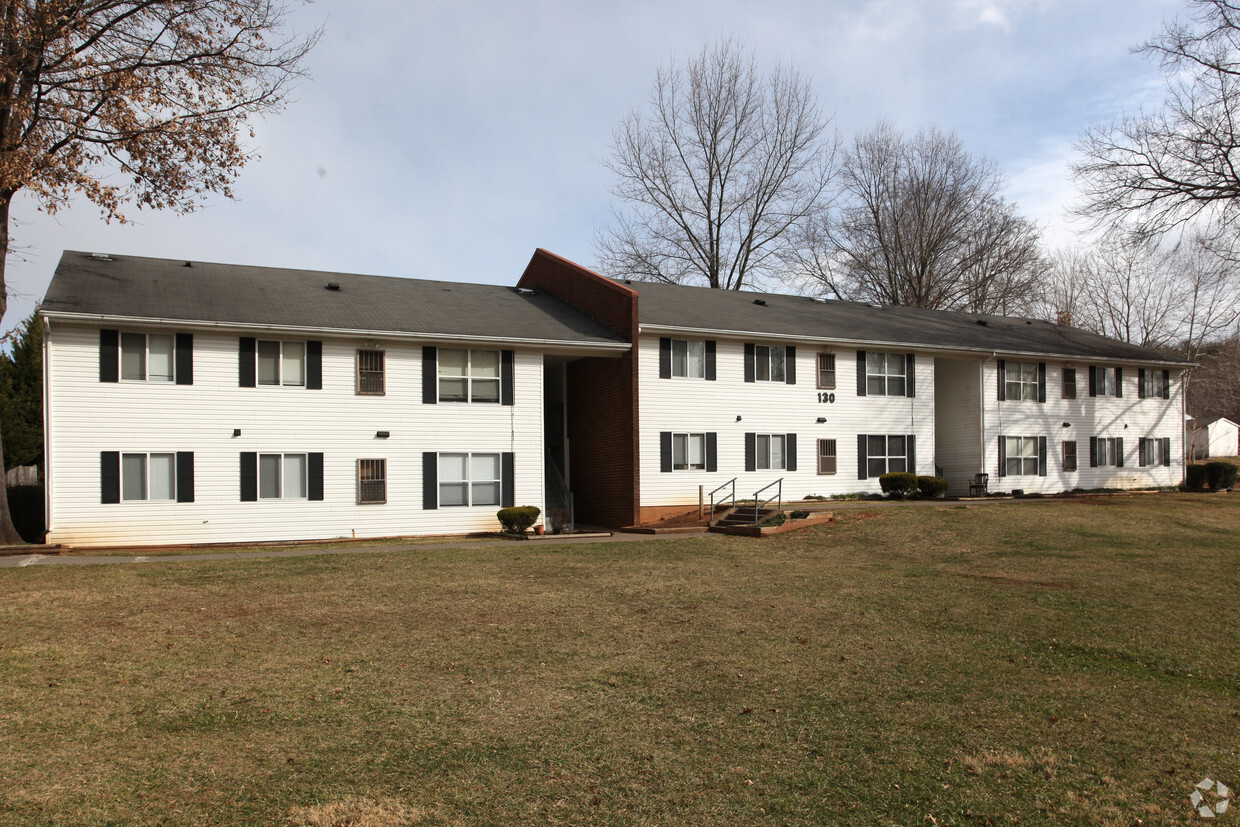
(21, 394)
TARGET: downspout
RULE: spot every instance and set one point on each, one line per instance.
(47, 431)
(1183, 430)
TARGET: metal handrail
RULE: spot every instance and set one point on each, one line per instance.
(779, 498)
(732, 483)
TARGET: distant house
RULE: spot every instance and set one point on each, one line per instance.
(1220, 438)
(197, 402)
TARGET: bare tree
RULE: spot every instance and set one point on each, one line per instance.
(142, 102)
(1157, 170)
(923, 223)
(718, 175)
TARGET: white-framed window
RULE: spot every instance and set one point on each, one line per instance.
(1153, 384)
(688, 359)
(885, 374)
(281, 363)
(826, 371)
(1021, 456)
(469, 479)
(769, 363)
(769, 453)
(1105, 381)
(688, 452)
(148, 476)
(1020, 381)
(1069, 383)
(469, 375)
(148, 357)
(886, 454)
(370, 372)
(1153, 451)
(282, 477)
(372, 481)
(826, 456)
(1107, 451)
(1069, 455)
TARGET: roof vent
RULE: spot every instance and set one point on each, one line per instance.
(525, 291)
(1027, 321)
(982, 322)
(188, 264)
(760, 302)
(819, 299)
(331, 285)
(878, 306)
(100, 257)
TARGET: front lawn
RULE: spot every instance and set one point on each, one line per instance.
(1031, 663)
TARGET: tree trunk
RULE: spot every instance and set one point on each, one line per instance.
(8, 534)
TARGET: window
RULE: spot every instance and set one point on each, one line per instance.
(1105, 381)
(1154, 384)
(1021, 380)
(148, 477)
(1069, 456)
(826, 456)
(688, 452)
(469, 479)
(885, 374)
(469, 375)
(370, 372)
(688, 359)
(826, 371)
(886, 454)
(1106, 451)
(281, 363)
(372, 480)
(1069, 387)
(282, 477)
(769, 363)
(1021, 456)
(147, 357)
(769, 453)
(1154, 451)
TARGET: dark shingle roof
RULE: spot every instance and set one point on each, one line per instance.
(135, 287)
(700, 308)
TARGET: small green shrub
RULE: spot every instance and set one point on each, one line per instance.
(26, 509)
(931, 486)
(898, 484)
(518, 519)
(799, 515)
(1220, 475)
(1195, 477)
(773, 520)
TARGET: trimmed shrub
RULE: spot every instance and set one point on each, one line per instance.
(26, 509)
(898, 484)
(559, 518)
(932, 486)
(1220, 475)
(1195, 477)
(799, 515)
(518, 519)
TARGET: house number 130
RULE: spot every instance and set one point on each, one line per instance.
(826, 398)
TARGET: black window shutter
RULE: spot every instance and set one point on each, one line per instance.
(1041, 381)
(1093, 449)
(247, 372)
(249, 475)
(1119, 382)
(710, 360)
(665, 451)
(109, 358)
(1002, 455)
(1140, 383)
(665, 358)
(1166, 388)
(185, 476)
(314, 365)
(910, 447)
(1166, 450)
(790, 365)
(861, 377)
(751, 452)
(910, 375)
(1119, 452)
(1093, 380)
(861, 458)
(430, 480)
(314, 464)
(185, 362)
(508, 467)
(1002, 380)
(505, 377)
(1042, 456)
(712, 451)
(749, 361)
(790, 452)
(430, 382)
(109, 476)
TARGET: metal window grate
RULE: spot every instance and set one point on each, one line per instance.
(826, 456)
(372, 480)
(370, 372)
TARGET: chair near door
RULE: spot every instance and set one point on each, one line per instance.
(979, 484)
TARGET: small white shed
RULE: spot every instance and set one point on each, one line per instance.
(1223, 437)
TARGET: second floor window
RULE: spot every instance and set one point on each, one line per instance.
(281, 363)
(370, 372)
(1069, 383)
(826, 370)
(469, 375)
(689, 359)
(885, 374)
(147, 357)
(1021, 380)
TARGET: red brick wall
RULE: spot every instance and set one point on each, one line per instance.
(602, 394)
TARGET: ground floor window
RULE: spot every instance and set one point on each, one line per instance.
(1069, 456)
(1105, 451)
(688, 452)
(372, 480)
(469, 479)
(1155, 451)
(282, 477)
(826, 456)
(886, 454)
(148, 477)
(1021, 456)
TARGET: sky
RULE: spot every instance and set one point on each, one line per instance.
(448, 140)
